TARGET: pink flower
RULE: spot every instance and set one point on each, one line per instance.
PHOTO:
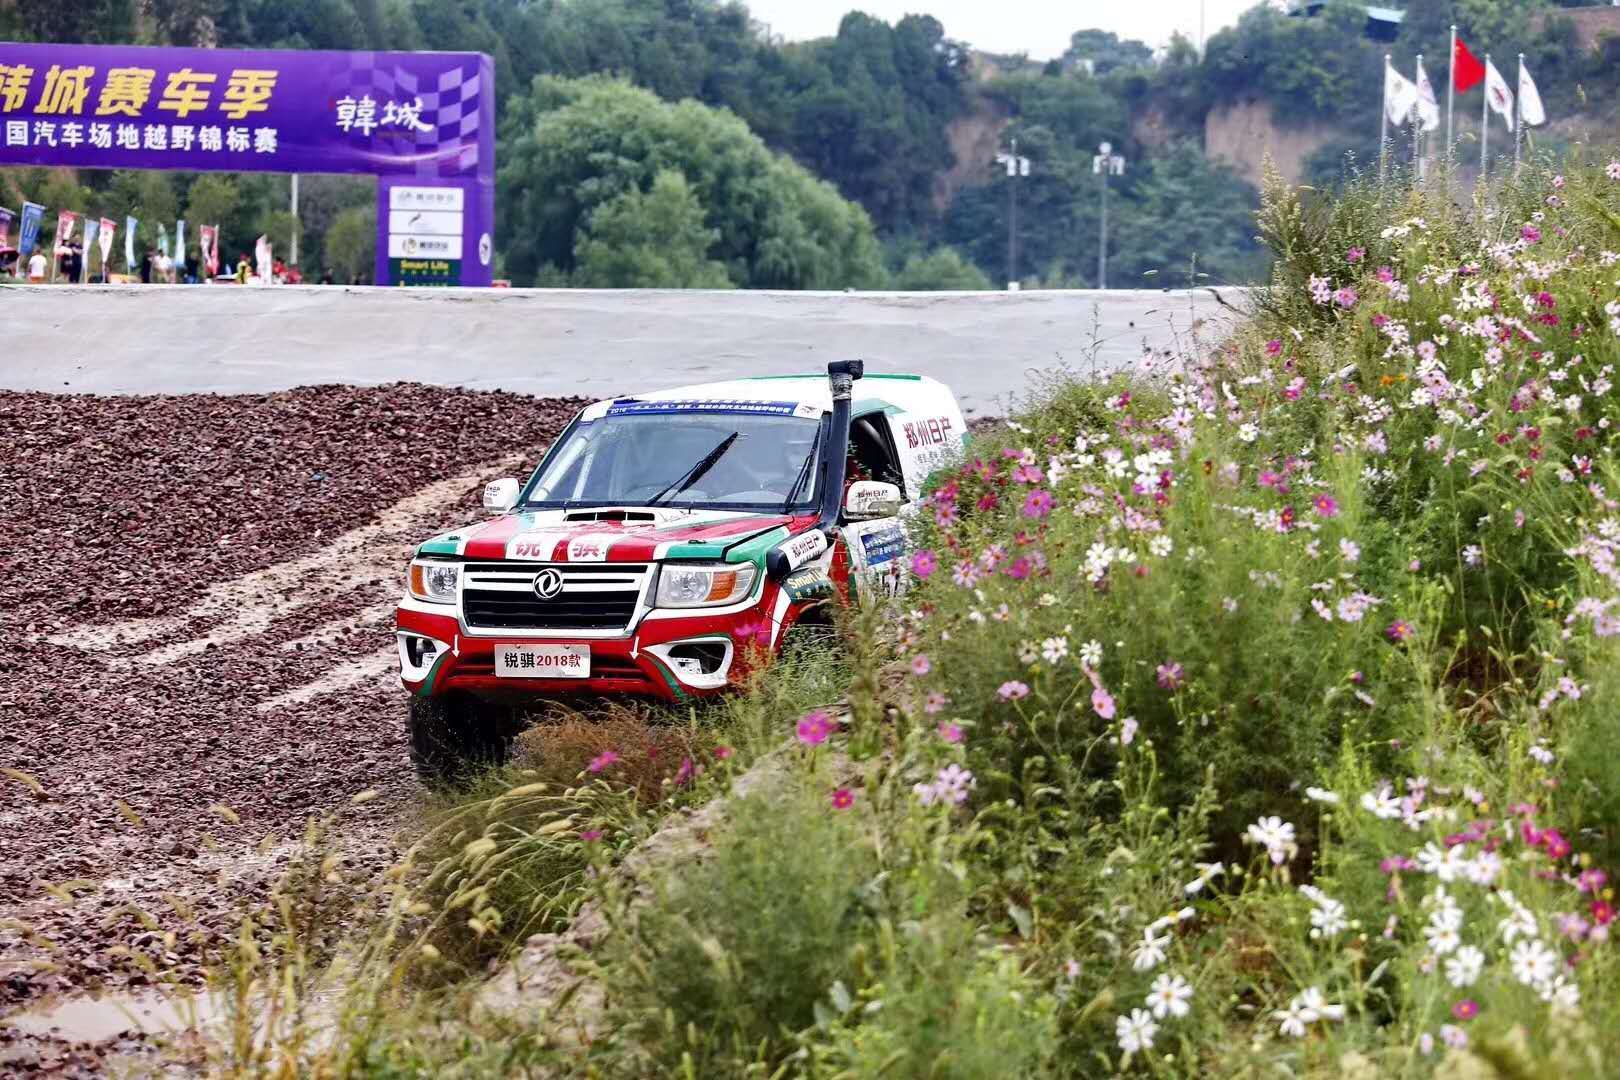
(603, 760)
(1466, 1009)
(753, 631)
(843, 799)
(950, 732)
(1013, 690)
(936, 703)
(1591, 881)
(1346, 297)
(1355, 255)
(1400, 630)
(1553, 842)
(814, 728)
(1028, 474)
(1127, 731)
(683, 775)
(1038, 503)
(1171, 676)
(921, 665)
(591, 836)
(1602, 912)
(1274, 347)
(923, 563)
(1325, 506)
(1103, 702)
(1531, 233)
(722, 752)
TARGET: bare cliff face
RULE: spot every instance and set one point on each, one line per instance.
(1242, 134)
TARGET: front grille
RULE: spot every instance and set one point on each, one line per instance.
(602, 596)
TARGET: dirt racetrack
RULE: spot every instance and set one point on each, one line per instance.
(200, 596)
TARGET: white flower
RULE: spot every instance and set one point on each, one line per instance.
(1091, 653)
(1464, 965)
(1313, 1002)
(1127, 730)
(1327, 920)
(1169, 996)
(1275, 835)
(1453, 1036)
(1562, 994)
(1206, 872)
(1316, 794)
(1248, 433)
(1520, 923)
(1292, 1020)
(1349, 550)
(1382, 803)
(1447, 864)
(1484, 868)
(1533, 963)
(1161, 545)
(1149, 952)
(1442, 938)
(1054, 649)
(1541, 753)
(1136, 1031)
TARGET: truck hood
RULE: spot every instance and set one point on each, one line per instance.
(642, 534)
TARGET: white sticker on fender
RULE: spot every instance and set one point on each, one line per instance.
(804, 547)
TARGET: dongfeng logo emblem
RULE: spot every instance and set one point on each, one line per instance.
(548, 583)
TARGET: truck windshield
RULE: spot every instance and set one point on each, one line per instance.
(699, 460)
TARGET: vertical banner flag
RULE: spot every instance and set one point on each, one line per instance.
(129, 243)
(1497, 94)
(1400, 95)
(6, 218)
(208, 241)
(64, 227)
(179, 245)
(1466, 70)
(261, 253)
(28, 232)
(91, 227)
(1530, 108)
(1428, 107)
(108, 227)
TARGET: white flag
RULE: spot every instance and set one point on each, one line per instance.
(1530, 100)
(1497, 94)
(1400, 95)
(1428, 109)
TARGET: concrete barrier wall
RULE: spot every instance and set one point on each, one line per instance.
(227, 339)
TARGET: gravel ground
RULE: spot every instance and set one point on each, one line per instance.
(201, 594)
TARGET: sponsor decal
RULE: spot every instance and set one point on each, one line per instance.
(539, 546)
(804, 547)
(866, 496)
(883, 545)
(589, 548)
(808, 583)
(934, 431)
(706, 405)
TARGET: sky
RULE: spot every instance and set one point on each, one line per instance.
(1039, 27)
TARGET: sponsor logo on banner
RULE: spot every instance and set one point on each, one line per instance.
(28, 231)
(804, 547)
(883, 545)
(538, 546)
(808, 583)
(934, 431)
(589, 548)
(715, 405)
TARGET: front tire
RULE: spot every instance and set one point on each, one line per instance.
(455, 735)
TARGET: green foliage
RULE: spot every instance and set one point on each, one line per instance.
(575, 145)
(1319, 68)
(351, 243)
(651, 240)
(941, 269)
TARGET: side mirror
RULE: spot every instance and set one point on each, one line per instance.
(500, 495)
(868, 499)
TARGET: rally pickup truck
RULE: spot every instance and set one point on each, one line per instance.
(662, 541)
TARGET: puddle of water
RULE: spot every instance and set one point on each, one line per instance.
(106, 1017)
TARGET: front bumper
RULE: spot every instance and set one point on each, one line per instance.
(639, 664)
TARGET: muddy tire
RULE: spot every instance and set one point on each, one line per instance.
(454, 736)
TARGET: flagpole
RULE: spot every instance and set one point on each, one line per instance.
(1383, 128)
(1485, 124)
(1417, 125)
(1451, 99)
(1518, 116)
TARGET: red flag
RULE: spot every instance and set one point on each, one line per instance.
(1466, 70)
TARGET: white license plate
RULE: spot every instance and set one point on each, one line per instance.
(543, 661)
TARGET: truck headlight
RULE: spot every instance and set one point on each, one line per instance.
(434, 581)
(703, 586)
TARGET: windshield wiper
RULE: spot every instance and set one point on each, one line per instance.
(695, 473)
(804, 473)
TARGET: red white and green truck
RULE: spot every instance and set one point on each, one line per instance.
(663, 539)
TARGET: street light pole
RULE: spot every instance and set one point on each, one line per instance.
(1016, 167)
(293, 254)
(1106, 162)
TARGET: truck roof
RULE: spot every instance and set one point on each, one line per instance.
(807, 392)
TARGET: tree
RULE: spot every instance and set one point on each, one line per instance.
(651, 240)
(351, 243)
(212, 200)
(573, 145)
(1107, 51)
(941, 270)
(1182, 208)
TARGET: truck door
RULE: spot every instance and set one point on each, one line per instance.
(876, 547)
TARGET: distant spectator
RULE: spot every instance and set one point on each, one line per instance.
(326, 276)
(73, 265)
(36, 267)
(192, 268)
(146, 266)
(244, 269)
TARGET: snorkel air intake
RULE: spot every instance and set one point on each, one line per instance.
(842, 375)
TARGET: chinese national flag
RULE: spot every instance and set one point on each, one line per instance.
(1466, 70)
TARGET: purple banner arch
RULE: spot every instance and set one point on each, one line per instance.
(422, 123)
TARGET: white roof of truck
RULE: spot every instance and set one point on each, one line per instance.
(809, 393)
